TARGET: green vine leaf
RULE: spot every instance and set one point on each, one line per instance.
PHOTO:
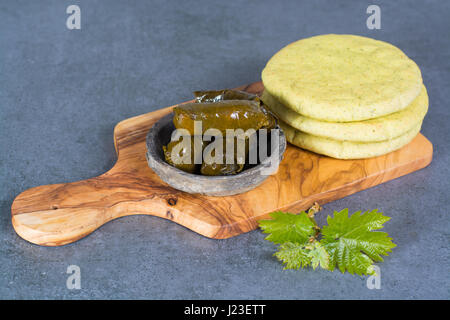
(287, 227)
(352, 245)
(298, 255)
(319, 256)
(293, 255)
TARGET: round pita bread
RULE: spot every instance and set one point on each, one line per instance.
(342, 78)
(377, 129)
(346, 149)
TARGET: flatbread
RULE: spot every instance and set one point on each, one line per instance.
(346, 149)
(342, 78)
(377, 129)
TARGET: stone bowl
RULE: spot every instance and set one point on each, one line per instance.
(246, 180)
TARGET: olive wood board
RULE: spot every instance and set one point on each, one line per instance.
(59, 214)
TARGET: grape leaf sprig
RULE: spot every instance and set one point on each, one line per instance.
(348, 243)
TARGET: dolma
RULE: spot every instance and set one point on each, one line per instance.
(229, 94)
(221, 110)
(227, 114)
(190, 167)
(222, 168)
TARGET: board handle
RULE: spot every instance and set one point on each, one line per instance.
(58, 214)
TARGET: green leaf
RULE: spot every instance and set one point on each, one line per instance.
(352, 245)
(293, 255)
(319, 256)
(287, 227)
(298, 255)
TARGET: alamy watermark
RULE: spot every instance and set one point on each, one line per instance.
(374, 20)
(374, 281)
(74, 20)
(74, 280)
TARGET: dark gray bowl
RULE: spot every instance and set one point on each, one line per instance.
(246, 180)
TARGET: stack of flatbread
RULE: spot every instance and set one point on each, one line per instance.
(345, 96)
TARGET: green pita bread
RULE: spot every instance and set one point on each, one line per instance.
(346, 149)
(342, 78)
(377, 129)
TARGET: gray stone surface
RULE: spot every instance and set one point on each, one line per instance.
(62, 92)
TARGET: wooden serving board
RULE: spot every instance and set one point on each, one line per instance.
(58, 214)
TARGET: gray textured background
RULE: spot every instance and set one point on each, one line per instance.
(62, 92)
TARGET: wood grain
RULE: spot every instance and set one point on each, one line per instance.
(58, 214)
